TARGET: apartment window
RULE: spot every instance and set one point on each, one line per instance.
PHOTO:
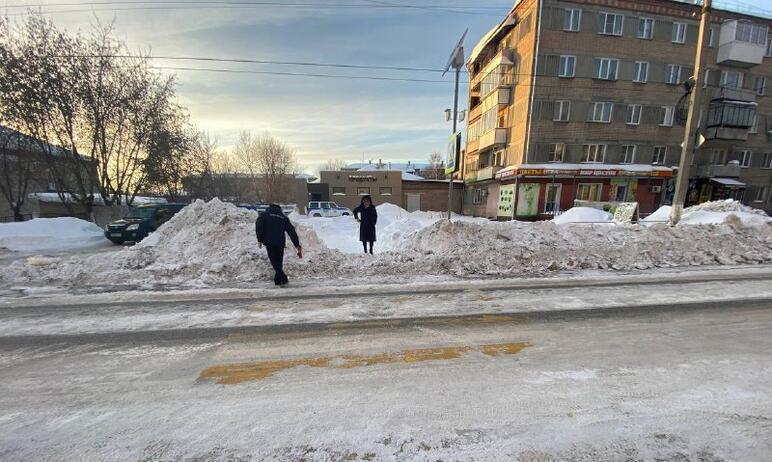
(363, 191)
(567, 66)
(673, 74)
(768, 54)
(610, 23)
(745, 158)
(594, 153)
(589, 191)
(679, 32)
(601, 112)
(634, 114)
(751, 33)
(760, 85)
(646, 28)
(572, 19)
(660, 155)
(562, 111)
(552, 198)
(767, 163)
(338, 190)
(557, 152)
(732, 79)
(718, 156)
(641, 74)
(754, 125)
(666, 116)
(385, 190)
(706, 82)
(628, 154)
(761, 194)
(606, 68)
(712, 37)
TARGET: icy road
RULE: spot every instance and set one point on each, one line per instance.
(686, 381)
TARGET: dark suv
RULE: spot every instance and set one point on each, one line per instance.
(140, 222)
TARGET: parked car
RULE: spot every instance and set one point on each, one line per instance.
(286, 208)
(326, 209)
(141, 221)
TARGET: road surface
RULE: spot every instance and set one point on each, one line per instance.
(672, 382)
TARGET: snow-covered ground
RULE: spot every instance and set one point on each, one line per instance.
(51, 235)
(213, 244)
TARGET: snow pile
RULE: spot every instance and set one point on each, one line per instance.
(711, 213)
(583, 215)
(50, 234)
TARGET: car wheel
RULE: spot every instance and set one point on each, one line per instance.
(116, 242)
(317, 215)
(345, 214)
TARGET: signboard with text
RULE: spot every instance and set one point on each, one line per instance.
(452, 153)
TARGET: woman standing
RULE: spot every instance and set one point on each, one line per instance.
(367, 217)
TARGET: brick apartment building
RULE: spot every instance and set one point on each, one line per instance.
(581, 100)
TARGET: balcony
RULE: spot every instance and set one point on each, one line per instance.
(471, 176)
(487, 173)
(742, 44)
(499, 97)
(731, 114)
(496, 69)
(497, 136)
(731, 170)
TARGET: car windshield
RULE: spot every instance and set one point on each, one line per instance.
(142, 212)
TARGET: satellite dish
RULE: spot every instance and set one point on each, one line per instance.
(456, 59)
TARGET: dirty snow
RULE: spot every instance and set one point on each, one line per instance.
(210, 244)
(712, 213)
(50, 234)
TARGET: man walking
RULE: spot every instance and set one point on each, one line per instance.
(270, 228)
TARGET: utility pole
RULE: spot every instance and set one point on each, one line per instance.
(456, 61)
(692, 120)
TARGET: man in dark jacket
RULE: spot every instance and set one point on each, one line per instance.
(270, 228)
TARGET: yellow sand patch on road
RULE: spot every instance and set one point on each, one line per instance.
(229, 374)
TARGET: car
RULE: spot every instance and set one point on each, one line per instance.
(326, 209)
(259, 208)
(141, 221)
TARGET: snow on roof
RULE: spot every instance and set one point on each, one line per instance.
(405, 167)
(54, 197)
(728, 181)
(16, 140)
(410, 177)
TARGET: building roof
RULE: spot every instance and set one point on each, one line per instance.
(18, 141)
(409, 166)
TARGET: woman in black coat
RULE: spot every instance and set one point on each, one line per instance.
(367, 217)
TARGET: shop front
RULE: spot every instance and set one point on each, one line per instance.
(541, 193)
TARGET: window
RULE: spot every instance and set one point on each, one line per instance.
(718, 156)
(673, 74)
(666, 115)
(767, 163)
(761, 194)
(646, 28)
(745, 158)
(628, 154)
(601, 112)
(768, 54)
(754, 125)
(557, 152)
(338, 190)
(362, 191)
(706, 82)
(385, 190)
(567, 66)
(572, 19)
(679, 32)
(594, 153)
(660, 155)
(641, 74)
(712, 37)
(633, 114)
(610, 23)
(606, 68)
(562, 111)
(588, 191)
(751, 33)
(732, 79)
(760, 85)
(552, 198)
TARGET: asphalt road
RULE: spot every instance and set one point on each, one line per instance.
(671, 382)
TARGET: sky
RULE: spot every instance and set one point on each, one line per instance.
(321, 118)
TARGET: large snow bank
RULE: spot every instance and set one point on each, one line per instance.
(50, 235)
(582, 215)
(214, 243)
(712, 213)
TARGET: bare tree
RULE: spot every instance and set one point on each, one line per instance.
(269, 162)
(436, 169)
(334, 164)
(18, 163)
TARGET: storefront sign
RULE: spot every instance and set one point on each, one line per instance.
(625, 211)
(583, 172)
(506, 200)
(362, 178)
